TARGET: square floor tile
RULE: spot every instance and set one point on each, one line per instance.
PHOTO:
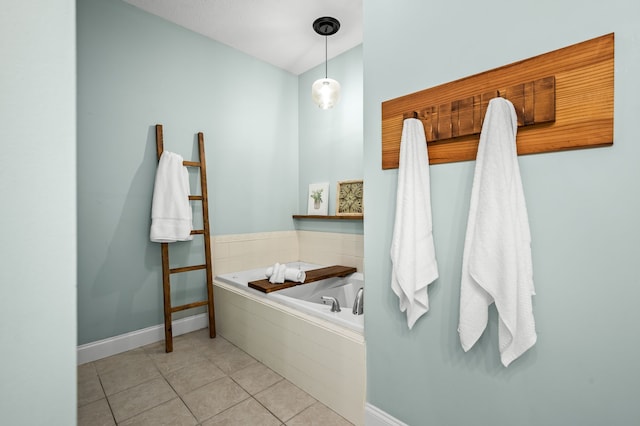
(211, 399)
(171, 413)
(96, 413)
(255, 378)
(197, 337)
(179, 358)
(138, 399)
(318, 415)
(127, 375)
(179, 343)
(211, 346)
(231, 360)
(86, 371)
(194, 376)
(89, 390)
(119, 361)
(285, 400)
(248, 412)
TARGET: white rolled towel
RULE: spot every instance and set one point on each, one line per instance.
(280, 274)
(296, 275)
(277, 277)
(269, 272)
(273, 272)
(290, 274)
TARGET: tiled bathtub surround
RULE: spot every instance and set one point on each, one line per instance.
(247, 251)
(324, 360)
(326, 248)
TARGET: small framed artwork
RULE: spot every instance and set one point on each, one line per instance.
(349, 198)
(318, 199)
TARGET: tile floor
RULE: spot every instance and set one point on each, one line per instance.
(202, 382)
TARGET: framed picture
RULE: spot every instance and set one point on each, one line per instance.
(349, 198)
(318, 199)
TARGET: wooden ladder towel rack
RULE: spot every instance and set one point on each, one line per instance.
(169, 310)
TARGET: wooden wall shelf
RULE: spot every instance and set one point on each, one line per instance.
(312, 216)
(577, 96)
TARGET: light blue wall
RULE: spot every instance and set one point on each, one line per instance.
(136, 70)
(38, 226)
(330, 141)
(583, 210)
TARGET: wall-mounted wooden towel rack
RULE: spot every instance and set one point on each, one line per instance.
(564, 100)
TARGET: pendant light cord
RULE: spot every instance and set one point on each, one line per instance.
(325, 56)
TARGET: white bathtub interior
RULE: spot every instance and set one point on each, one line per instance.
(343, 290)
(295, 334)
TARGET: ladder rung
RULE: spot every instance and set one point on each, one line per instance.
(191, 163)
(196, 197)
(197, 231)
(187, 269)
(189, 306)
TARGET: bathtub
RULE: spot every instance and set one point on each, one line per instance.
(306, 297)
(296, 335)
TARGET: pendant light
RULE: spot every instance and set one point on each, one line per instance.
(325, 92)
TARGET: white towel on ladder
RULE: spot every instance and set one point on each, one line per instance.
(496, 264)
(412, 249)
(171, 218)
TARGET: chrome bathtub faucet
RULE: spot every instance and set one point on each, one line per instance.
(358, 303)
(335, 305)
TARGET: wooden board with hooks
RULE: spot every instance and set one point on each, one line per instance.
(533, 101)
(563, 99)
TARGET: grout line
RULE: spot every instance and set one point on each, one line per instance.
(113, 416)
(265, 407)
(148, 409)
(192, 390)
(227, 409)
(177, 394)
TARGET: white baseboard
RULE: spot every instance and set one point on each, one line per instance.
(373, 416)
(135, 339)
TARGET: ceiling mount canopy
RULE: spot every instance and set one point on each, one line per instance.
(326, 26)
(325, 92)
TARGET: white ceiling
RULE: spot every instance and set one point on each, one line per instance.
(279, 32)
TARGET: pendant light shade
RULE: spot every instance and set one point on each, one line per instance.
(325, 92)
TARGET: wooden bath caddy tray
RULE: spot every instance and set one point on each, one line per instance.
(313, 275)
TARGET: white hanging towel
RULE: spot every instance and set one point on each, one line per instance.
(413, 256)
(496, 264)
(170, 210)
